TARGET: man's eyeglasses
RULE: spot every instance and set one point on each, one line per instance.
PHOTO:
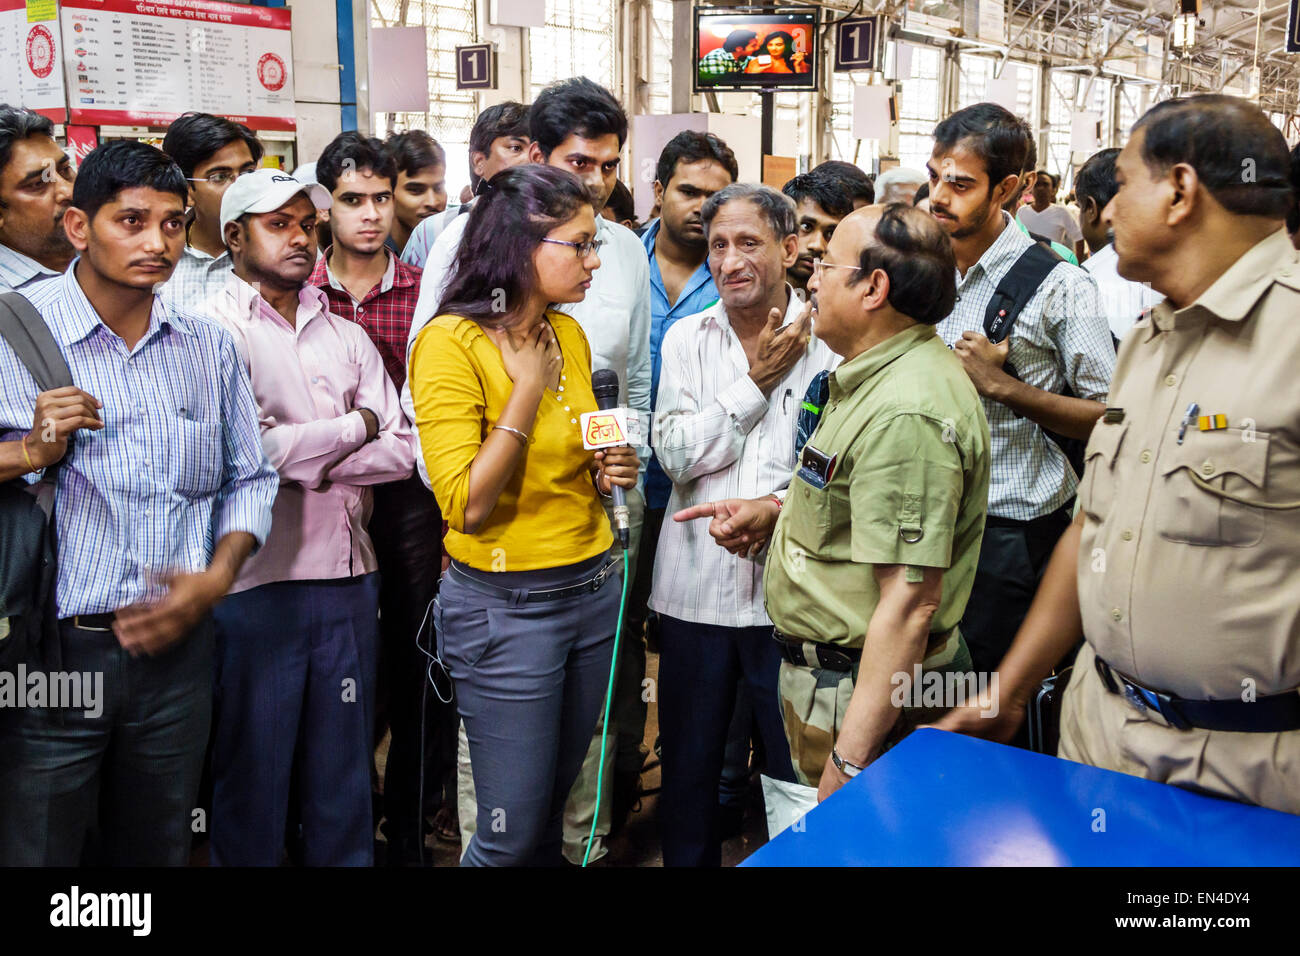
(583, 249)
(220, 178)
(819, 264)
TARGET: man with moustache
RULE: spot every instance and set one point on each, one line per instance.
(36, 180)
(1060, 339)
(162, 492)
(297, 638)
(820, 203)
(1179, 569)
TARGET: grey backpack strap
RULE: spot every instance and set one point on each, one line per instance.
(30, 338)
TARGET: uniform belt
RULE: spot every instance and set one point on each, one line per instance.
(535, 595)
(1273, 714)
(803, 653)
(91, 622)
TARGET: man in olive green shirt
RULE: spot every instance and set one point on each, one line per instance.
(873, 553)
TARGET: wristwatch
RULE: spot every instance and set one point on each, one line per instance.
(843, 766)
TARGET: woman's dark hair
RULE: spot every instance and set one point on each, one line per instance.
(789, 45)
(576, 105)
(493, 270)
(16, 124)
(352, 151)
(194, 137)
(124, 164)
(917, 256)
(1095, 179)
(498, 120)
(1239, 156)
(993, 133)
(690, 146)
(414, 150)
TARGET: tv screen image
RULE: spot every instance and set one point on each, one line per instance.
(769, 51)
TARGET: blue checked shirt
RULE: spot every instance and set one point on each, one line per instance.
(196, 278)
(1060, 337)
(19, 273)
(178, 465)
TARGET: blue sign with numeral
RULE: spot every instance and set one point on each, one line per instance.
(857, 43)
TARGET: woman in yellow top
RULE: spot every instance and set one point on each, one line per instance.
(527, 611)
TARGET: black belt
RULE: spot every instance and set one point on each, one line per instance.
(534, 595)
(1273, 714)
(803, 653)
(91, 622)
(1065, 511)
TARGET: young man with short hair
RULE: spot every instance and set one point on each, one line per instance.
(498, 141)
(162, 494)
(1045, 217)
(730, 57)
(855, 183)
(1060, 339)
(212, 152)
(297, 638)
(421, 189)
(366, 283)
(36, 180)
(1124, 301)
(820, 202)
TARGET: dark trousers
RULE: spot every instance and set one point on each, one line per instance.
(134, 768)
(1013, 557)
(406, 528)
(530, 681)
(699, 665)
(295, 694)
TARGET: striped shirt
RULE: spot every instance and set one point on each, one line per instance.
(196, 279)
(20, 273)
(426, 233)
(718, 436)
(1061, 337)
(177, 467)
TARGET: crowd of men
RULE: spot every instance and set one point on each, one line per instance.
(884, 436)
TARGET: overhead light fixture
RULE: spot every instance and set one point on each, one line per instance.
(1183, 35)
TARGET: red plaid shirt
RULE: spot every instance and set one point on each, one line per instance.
(385, 312)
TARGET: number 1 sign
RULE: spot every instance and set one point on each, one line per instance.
(476, 67)
(857, 40)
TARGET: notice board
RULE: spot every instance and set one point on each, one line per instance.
(146, 63)
(31, 68)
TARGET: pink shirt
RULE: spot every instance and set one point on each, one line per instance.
(308, 379)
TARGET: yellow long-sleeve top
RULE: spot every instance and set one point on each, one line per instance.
(549, 514)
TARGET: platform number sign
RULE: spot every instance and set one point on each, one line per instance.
(857, 43)
(1293, 28)
(476, 67)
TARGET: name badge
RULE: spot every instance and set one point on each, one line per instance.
(816, 467)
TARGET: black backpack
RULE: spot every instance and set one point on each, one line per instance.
(27, 537)
(1013, 293)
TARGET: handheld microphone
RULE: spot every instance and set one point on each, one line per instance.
(604, 385)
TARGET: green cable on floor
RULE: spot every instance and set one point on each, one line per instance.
(609, 699)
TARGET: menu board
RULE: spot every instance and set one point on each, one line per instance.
(30, 70)
(146, 63)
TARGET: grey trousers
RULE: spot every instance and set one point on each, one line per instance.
(530, 682)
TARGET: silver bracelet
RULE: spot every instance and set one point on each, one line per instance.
(522, 436)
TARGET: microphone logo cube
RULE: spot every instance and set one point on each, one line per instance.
(610, 427)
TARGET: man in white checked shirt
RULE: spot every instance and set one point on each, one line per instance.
(1060, 339)
(733, 379)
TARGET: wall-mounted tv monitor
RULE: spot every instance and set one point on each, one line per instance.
(768, 50)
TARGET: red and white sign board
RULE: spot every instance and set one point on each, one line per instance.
(145, 63)
(31, 74)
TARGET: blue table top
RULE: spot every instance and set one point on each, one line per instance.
(942, 799)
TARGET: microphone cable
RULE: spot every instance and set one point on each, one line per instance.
(609, 699)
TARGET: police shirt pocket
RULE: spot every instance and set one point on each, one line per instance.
(1097, 489)
(1214, 490)
(195, 453)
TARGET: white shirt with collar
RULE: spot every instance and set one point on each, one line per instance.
(197, 278)
(20, 273)
(1122, 300)
(718, 436)
(615, 315)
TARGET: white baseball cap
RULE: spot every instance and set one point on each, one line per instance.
(266, 190)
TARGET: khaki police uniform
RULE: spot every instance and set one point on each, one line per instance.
(910, 483)
(1189, 564)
